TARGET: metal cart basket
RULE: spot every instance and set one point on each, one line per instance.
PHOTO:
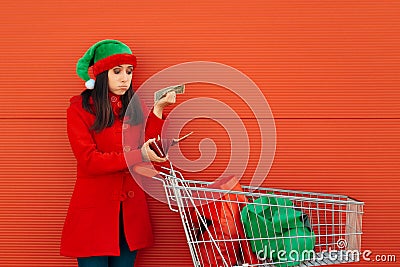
(334, 223)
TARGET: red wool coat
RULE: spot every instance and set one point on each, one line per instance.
(103, 181)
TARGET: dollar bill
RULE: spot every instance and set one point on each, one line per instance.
(179, 89)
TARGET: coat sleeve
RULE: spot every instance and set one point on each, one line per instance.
(89, 158)
(154, 125)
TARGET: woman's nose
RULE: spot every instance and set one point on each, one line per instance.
(124, 77)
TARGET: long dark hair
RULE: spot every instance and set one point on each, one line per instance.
(102, 109)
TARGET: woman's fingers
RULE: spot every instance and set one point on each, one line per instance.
(171, 97)
(146, 149)
(168, 99)
(153, 156)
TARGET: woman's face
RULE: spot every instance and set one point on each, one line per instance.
(120, 78)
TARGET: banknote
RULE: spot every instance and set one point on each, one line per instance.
(179, 89)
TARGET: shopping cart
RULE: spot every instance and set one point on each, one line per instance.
(334, 222)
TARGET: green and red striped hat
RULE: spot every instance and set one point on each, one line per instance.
(103, 56)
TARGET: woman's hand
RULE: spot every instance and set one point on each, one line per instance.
(168, 99)
(148, 154)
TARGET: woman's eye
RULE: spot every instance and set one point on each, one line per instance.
(129, 72)
(116, 71)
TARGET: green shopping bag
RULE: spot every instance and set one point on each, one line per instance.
(296, 242)
(273, 225)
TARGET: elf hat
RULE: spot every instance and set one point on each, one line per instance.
(103, 56)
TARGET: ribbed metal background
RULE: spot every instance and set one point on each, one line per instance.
(329, 70)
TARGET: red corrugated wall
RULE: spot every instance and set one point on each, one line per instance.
(329, 70)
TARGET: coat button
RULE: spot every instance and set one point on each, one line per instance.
(131, 194)
(122, 197)
(125, 126)
(113, 99)
(127, 148)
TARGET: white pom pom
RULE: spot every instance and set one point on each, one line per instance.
(89, 84)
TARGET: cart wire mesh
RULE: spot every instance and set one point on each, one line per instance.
(335, 223)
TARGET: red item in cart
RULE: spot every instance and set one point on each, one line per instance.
(224, 227)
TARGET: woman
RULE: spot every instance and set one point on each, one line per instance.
(107, 220)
